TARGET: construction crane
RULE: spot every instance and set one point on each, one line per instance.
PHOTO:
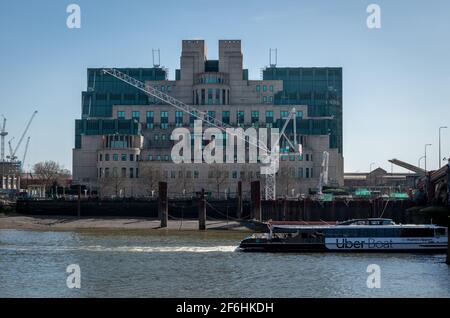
(272, 155)
(3, 134)
(12, 153)
(323, 179)
(25, 152)
(10, 157)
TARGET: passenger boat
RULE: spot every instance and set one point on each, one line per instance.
(359, 235)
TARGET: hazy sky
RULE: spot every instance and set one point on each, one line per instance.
(396, 79)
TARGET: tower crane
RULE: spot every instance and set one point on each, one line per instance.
(323, 179)
(270, 156)
(25, 151)
(3, 134)
(13, 152)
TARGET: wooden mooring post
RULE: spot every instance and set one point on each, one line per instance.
(448, 241)
(163, 204)
(239, 198)
(79, 202)
(255, 189)
(202, 211)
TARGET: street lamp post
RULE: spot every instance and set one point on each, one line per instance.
(440, 157)
(426, 145)
(420, 159)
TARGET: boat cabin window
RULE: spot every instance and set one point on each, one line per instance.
(418, 232)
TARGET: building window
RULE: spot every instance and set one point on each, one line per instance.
(300, 173)
(169, 88)
(100, 172)
(264, 99)
(166, 158)
(137, 172)
(258, 88)
(178, 118)
(150, 119)
(271, 99)
(124, 157)
(135, 116)
(123, 172)
(164, 119)
(131, 173)
(120, 115)
(264, 88)
(291, 158)
(116, 157)
(307, 172)
(271, 88)
(299, 114)
(131, 157)
(226, 117)
(106, 156)
(163, 137)
(211, 116)
(163, 88)
(156, 137)
(106, 172)
(172, 174)
(100, 157)
(234, 174)
(284, 114)
(210, 96)
(158, 157)
(196, 174)
(217, 96)
(240, 118)
(203, 97)
(150, 158)
(307, 157)
(255, 118)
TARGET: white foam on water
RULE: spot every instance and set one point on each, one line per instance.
(134, 249)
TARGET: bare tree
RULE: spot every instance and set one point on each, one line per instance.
(50, 173)
(220, 176)
(113, 184)
(149, 178)
(186, 179)
(286, 177)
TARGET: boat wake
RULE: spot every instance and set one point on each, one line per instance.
(132, 249)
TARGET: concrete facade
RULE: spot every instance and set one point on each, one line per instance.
(131, 165)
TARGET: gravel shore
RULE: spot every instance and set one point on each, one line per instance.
(52, 223)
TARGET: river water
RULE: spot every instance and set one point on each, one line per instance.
(193, 264)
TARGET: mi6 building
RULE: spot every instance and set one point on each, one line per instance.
(123, 139)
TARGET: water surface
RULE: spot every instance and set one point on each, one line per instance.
(193, 264)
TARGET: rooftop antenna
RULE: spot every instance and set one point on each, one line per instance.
(273, 57)
(156, 55)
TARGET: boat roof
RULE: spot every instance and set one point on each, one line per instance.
(353, 223)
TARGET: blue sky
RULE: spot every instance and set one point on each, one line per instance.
(396, 79)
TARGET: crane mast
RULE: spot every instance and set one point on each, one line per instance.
(25, 152)
(273, 154)
(3, 134)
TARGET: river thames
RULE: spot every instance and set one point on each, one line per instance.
(194, 264)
